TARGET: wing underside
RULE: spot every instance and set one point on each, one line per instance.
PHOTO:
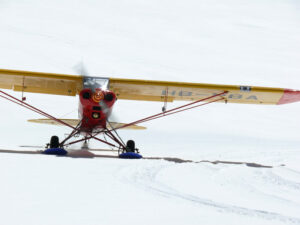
(74, 122)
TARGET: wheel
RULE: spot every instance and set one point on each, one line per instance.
(54, 142)
(130, 146)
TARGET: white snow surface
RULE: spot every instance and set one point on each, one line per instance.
(208, 41)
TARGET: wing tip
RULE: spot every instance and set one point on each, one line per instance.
(289, 96)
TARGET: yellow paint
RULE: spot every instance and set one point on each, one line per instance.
(36, 82)
(147, 90)
(132, 89)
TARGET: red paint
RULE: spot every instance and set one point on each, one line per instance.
(289, 96)
(89, 104)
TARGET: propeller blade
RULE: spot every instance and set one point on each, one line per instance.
(81, 69)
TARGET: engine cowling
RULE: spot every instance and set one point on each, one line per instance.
(95, 107)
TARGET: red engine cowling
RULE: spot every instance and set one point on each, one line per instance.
(95, 108)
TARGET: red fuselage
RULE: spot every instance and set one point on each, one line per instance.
(95, 107)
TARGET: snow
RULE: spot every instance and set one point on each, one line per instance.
(225, 42)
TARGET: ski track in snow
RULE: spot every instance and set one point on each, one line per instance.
(146, 178)
(275, 179)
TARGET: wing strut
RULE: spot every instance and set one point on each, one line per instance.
(179, 109)
(75, 130)
(108, 132)
(32, 108)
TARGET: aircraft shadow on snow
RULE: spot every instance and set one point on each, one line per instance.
(88, 154)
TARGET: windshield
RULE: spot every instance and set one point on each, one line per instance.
(96, 82)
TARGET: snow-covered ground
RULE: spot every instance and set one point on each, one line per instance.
(209, 41)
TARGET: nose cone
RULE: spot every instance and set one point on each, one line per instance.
(289, 96)
(98, 95)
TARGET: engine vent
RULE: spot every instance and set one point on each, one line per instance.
(97, 108)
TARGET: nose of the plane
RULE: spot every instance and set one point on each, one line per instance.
(289, 96)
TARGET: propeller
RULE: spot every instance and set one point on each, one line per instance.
(81, 69)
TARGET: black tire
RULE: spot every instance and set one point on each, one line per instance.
(54, 142)
(130, 146)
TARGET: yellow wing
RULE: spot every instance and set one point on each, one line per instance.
(145, 90)
(36, 82)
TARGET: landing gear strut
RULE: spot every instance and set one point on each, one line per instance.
(127, 150)
(85, 145)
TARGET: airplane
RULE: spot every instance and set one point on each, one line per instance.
(97, 96)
